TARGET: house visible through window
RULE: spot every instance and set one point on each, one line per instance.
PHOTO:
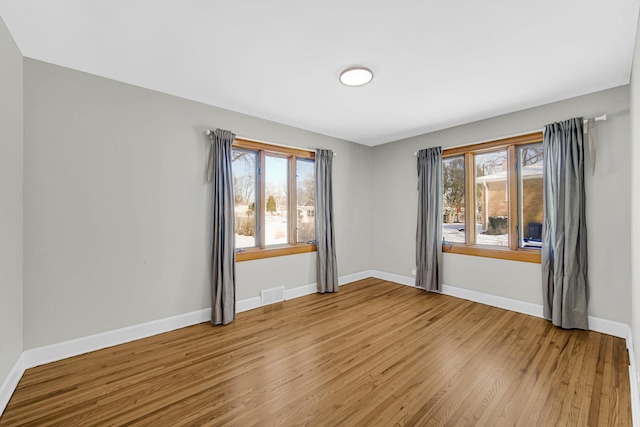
(492, 198)
(530, 195)
(274, 200)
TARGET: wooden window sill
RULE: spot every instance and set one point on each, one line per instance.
(257, 253)
(526, 255)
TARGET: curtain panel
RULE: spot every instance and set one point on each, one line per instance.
(564, 229)
(326, 264)
(429, 229)
(223, 265)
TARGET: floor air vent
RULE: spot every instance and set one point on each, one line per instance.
(270, 296)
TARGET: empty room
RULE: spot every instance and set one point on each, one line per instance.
(319, 213)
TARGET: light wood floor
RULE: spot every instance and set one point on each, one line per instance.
(375, 353)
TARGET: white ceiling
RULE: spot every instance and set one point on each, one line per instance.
(437, 63)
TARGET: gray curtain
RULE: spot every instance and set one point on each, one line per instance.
(593, 141)
(564, 230)
(223, 264)
(429, 231)
(326, 264)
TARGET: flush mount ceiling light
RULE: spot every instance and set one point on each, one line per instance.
(356, 76)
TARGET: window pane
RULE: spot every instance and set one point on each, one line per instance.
(275, 224)
(453, 196)
(244, 186)
(530, 195)
(305, 183)
(492, 204)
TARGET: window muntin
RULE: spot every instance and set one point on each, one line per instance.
(268, 207)
(453, 198)
(492, 162)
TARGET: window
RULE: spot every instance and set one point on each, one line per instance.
(244, 186)
(530, 196)
(275, 212)
(453, 199)
(492, 198)
(274, 200)
(306, 184)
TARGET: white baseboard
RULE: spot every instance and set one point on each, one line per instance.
(475, 296)
(312, 288)
(300, 291)
(493, 300)
(350, 278)
(54, 352)
(633, 381)
(10, 383)
(609, 327)
(58, 351)
(403, 280)
(246, 304)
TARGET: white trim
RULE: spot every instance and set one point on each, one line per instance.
(247, 304)
(54, 352)
(350, 278)
(300, 291)
(633, 382)
(403, 280)
(10, 383)
(493, 300)
(58, 351)
(312, 288)
(609, 327)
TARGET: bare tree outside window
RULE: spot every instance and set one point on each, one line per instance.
(530, 164)
(530, 154)
(305, 183)
(276, 208)
(274, 202)
(244, 184)
(499, 184)
(453, 221)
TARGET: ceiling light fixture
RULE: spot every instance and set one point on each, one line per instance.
(356, 76)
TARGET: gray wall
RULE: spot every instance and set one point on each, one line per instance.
(117, 226)
(11, 140)
(608, 206)
(635, 200)
(117, 207)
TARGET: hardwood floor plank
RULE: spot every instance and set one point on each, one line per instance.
(375, 353)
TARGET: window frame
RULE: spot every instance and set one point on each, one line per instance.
(512, 251)
(292, 247)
